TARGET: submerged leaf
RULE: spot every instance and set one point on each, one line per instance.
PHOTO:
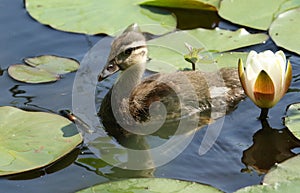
(285, 30)
(151, 185)
(31, 140)
(25, 73)
(54, 64)
(99, 16)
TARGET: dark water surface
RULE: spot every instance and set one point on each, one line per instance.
(221, 166)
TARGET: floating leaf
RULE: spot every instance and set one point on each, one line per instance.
(292, 119)
(283, 172)
(255, 13)
(285, 30)
(25, 73)
(54, 64)
(229, 59)
(223, 40)
(286, 187)
(42, 69)
(151, 185)
(283, 177)
(31, 140)
(287, 5)
(99, 16)
(184, 4)
(167, 52)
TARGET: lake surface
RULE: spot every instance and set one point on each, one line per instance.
(222, 166)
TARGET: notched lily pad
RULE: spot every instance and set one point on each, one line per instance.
(31, 140)
(42, 69)
(151, 185)
(54, 64)
(100, 16)
(292, 119)
(167, 52)
(285, 30)
(255, 13)
(28, 74)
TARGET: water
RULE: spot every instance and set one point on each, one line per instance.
(221, 166)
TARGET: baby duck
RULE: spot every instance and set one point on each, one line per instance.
(133, 97)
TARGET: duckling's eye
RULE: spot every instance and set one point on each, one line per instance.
(110, 67)
(128, 51)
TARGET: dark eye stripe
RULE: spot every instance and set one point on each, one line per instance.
(129, 50)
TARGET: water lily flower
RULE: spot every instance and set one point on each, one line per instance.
(266, 77)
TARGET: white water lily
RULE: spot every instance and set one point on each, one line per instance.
(266, 77)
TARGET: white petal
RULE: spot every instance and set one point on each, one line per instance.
(283, 64)
(252, 66)
(266, 58)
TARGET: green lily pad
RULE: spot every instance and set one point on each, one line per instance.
(229, 59)
(283, 177)
(286, 187)
(285, 30)
(151, 185)
(255, 13)
(288, 5)
(224, 40)
(292, 119)
(284, 172)
(25, 73)
(42, 69)
(167, 52)
(184, 4)
(99, 16)
(31, 140)
(54, 64)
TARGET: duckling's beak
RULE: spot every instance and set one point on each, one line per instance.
(109, 69)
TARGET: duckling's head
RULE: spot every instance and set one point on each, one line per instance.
(127, 49)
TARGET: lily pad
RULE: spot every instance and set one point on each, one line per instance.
(151, 185)
(286, 187)
(284, 172)
(25, 73)
(255, 13)
(292, 119)
(99, 16)
(42, 69)
(221, 40)
(54, 64)
(288, 5)
(283, 177)
(184, 4)
(167, 52)
(31, 140)
(285, 30)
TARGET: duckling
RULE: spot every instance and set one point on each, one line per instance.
(135, 97)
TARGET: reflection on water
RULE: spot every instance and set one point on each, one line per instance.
(16, 92)
(270, 146)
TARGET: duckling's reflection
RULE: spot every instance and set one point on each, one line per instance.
(270, 146)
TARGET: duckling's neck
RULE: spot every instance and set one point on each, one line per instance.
(132, 76)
